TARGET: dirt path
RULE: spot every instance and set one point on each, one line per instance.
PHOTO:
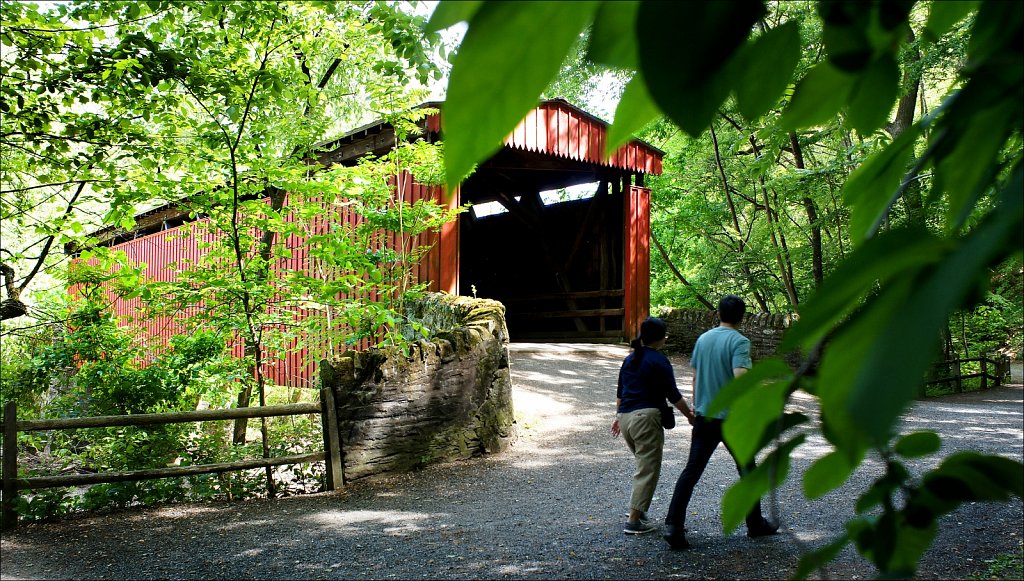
(552, 507)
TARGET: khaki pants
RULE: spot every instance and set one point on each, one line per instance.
(645, 438)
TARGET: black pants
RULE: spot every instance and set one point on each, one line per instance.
(707, 434)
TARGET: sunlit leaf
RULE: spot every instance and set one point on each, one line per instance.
(918, 444)
(451, 12)
(614, 36)
(827, 473)
(943, 15)
(818, 97)
(767, 69)
(741, 497)
(634, 111)
(772, 368)
(873, 94)
(750, 415)
(509, 55)
(871, 189)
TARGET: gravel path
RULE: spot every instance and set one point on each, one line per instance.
(552, 507)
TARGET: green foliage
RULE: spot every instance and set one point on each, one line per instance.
(97, 370)
(1005, 566)
(879, 304)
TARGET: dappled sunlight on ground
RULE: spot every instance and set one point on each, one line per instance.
(388, 521)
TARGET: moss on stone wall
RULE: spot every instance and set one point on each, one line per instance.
(450, 397)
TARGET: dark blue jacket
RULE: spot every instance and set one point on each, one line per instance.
(648, 384)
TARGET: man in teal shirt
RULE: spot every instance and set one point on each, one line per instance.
(718, 356)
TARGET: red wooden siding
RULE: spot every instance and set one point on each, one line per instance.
(447, 273)
(170, 251)
(557, 128)
(637, 271)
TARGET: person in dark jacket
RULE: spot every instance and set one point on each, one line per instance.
(646, 382)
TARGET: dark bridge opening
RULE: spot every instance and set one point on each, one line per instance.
(546, 237)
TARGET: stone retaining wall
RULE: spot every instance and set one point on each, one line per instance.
(764, 330)
(450, 398)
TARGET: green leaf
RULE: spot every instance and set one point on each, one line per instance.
(943, 15)
(965, 172)
(877, 260)
(614, 36)
(751, 415)
(874, 366)
(690, 90)
(982, 477)
(873, 94)
(741, 496)
(827, 473)
(634, 111)
(451, 12)
(875, 495)
(871, 188)
(767, 69)
(777, 428)
(767, 369)
(810, 562)
(918, 444)
(818, 97)
(509, 55)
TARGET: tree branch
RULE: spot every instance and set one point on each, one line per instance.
(679, 275)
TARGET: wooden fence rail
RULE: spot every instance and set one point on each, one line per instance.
(999, 369)
(11, 427)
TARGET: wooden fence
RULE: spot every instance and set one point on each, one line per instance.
(991, 370)
(11, 427)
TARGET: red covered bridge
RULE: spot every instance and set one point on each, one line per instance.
(568, 264)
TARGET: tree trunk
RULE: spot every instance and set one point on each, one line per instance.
(811, 209)
(253, 345)
(905, 118)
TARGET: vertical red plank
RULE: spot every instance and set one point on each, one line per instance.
(563, 133)
(628, 266)
(643, 252)
(574, 134)
(449, 254)
(531, 130)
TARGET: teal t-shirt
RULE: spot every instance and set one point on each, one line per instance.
(716, 353)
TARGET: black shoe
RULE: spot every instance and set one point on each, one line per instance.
(765, 529)
(676, 538)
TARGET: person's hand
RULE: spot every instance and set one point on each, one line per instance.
(615, 428)
(690, 415)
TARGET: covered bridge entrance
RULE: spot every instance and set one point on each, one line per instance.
(558, 232)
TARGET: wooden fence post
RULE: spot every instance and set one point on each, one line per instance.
(10, 477)
(332, 440)
(959, 377)
(984, 372)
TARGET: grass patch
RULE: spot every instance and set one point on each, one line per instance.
(1005, 566)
